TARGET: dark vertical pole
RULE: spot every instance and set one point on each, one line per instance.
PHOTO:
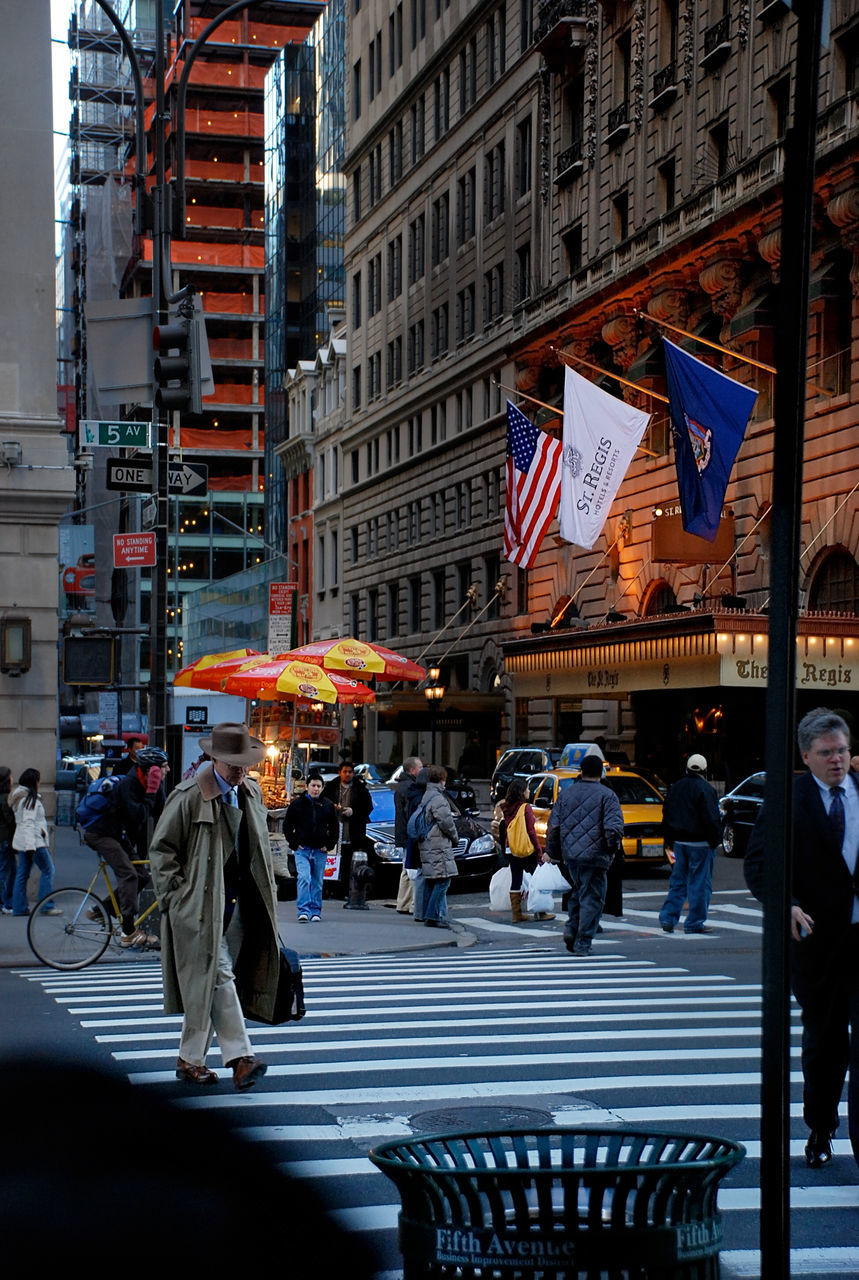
(789, 415)
(158, 669)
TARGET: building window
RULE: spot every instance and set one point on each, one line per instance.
(356, 388)
(393, 531)
(493, 292)
(356, 90)
(463, 505)
(466, 189)
(778, 102)
(496, 48)
(468, 77)
(395, 268)
(393, 609)
(356, 300)
(417, 248)
(835, 587)
(491, 575)
(414, 523)
(521, 590)
(441, 104)
(835, 327)
(438, 597)
(334, 544)
(524, 148)
(414, 605)
(659, 598)
(416, 443)
(439, 331)
(493, 195)
(395, 368)
(419, 21)
(415, 351)
(374, 175)
(620, 216)
(374, 285)
(373, 614)
(355, 615)
(440, 229)
(465, 313)
(395, 39)
(418, 122)
(720, 147)
(667, 185)
(523, 272)
(463, 581)
(572, 241)
(395, 149)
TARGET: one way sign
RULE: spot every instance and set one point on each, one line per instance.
(185, 479)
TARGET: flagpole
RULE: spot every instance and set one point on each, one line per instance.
(726, 351)
(736, 552)
(618, 539)
(553, 409)
(570, 360)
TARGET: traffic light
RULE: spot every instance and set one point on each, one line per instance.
(177, 374)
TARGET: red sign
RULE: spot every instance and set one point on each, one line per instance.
(280, 598)
(133, 550)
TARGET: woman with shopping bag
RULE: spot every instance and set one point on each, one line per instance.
(521, 844)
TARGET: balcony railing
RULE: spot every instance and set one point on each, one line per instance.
(569, 163)
(561, 28)
(618, 124)
(717, 43)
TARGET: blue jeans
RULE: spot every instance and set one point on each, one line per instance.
(691, 881)
(421, 891)
(587, 896)
(26, 858)
(435, 902)
(310, 866)
(7, 873)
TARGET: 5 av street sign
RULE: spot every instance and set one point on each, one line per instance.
(119, 435)
(132, 475)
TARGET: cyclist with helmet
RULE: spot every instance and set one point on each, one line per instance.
(121, 832)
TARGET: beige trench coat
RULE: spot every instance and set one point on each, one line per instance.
(190, 846)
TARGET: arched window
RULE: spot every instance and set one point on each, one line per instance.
(835, 586)
(660, 598)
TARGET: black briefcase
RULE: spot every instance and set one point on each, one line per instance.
(289, 1001)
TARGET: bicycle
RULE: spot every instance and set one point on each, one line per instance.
(87, 926)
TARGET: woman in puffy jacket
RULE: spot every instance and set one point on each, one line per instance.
(30, 842)
(516, 796)
(437, 849)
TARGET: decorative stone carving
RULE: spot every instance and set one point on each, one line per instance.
(639, 53)
(687, 43)
(670, 304)
(769, 247)
(843, 211)
(621, 334)
(722, 280)
(592, 25)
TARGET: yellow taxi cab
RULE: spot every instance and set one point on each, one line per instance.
(639, 800)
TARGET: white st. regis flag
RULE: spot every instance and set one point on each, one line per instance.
(601, 434)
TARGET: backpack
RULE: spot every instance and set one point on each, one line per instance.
(420, 823)
(518, 840)
(100, 798)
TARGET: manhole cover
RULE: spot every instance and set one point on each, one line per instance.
(458, 1118)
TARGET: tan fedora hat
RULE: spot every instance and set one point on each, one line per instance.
(232, 744)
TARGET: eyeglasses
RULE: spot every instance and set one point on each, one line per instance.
(828, 752)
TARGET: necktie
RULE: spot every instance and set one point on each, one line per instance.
(232, 800)
(836, 812)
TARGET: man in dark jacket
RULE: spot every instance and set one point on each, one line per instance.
(353, 806)
(824, 952)
(405, 801)
(690, 821)
(586, 830)
(311, 829)
(117, 836)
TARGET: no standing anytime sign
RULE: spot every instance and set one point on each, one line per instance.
(133, 550)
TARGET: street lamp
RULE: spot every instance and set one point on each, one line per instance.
(434, 692)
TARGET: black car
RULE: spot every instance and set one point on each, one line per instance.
(740, 809)
(523, 763)
(475, 855)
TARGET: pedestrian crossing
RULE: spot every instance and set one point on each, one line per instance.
(397, 1045)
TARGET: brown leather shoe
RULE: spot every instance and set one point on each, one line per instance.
(246, 1072)
(192, 1074)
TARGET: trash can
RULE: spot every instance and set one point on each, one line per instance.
(597, 1203)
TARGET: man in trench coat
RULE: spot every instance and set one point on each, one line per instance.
(220, 949)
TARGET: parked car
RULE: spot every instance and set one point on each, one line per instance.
(521, 762)
(374, 772)
(79, 582)
(740, 809)
(639, 800)
(475, 855)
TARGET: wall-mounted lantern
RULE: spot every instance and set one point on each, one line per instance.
(16, 644)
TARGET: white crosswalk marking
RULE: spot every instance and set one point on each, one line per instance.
(618, 1042)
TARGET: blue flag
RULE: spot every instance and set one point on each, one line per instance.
(709, 412)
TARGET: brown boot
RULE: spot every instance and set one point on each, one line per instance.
(519, 916)
(544, 915)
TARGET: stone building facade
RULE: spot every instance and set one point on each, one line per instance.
(534, 185)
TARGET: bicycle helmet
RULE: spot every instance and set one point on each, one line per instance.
(151, 755)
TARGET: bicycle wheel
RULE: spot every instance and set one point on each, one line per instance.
(73, 939)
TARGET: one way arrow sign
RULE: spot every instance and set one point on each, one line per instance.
(184, 479)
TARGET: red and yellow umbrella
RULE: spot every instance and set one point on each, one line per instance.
(209, 671)
(284, 679)
(359, 658)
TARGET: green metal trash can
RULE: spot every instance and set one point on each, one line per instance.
(547, 1204)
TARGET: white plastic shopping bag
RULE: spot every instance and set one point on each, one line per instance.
(499, 890)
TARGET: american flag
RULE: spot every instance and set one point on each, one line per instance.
(533, 487)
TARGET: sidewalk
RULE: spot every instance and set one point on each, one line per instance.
(378, 930)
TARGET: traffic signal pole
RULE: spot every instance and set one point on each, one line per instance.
(160, 427)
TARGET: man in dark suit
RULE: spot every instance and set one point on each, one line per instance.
(353, 806)
(824, 926)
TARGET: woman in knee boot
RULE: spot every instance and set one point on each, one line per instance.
(522, 846)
